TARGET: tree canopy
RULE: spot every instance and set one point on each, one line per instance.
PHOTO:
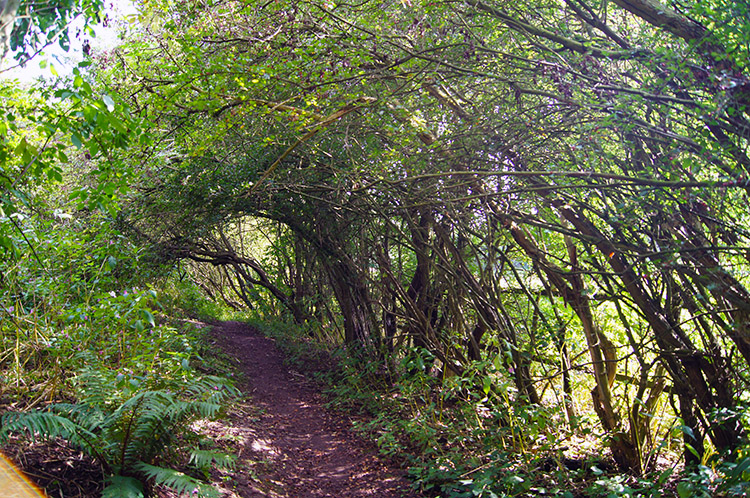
(556, 188)
(440, 163)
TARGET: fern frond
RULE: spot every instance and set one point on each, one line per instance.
(204, 459)
(48, 424)
(95, 386)
(89, 417)
(44, 425)
(134, 418)
(211, 388)
(175, 480)
(123, 487)
(146, 399)
(123, 430)
(188, 410)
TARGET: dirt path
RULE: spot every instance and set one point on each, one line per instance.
(290, 445)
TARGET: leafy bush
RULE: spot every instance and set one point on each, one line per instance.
(726, 479)
(185, 298)
(75, 288)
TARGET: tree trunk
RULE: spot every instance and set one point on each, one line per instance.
(680, 355)
(356, 306)
(570, 286)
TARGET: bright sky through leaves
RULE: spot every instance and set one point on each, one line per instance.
(55, 60)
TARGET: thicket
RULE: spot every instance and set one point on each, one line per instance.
(91, 350)
(526, 223)
(551, 194)
(84, 359)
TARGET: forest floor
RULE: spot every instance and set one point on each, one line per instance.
(287, 443)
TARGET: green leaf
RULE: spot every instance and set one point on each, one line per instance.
(6, 243)
(40, 425)
(21, 147)
(684, 490)
(497, 362)
(486, 385)
(177, 481)
(123, 487)
(54, 175)
(76, 140)
(116, 124)
(148, 317)
(204, 459)
(109, 102)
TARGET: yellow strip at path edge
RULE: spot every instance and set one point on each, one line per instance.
(13, 482)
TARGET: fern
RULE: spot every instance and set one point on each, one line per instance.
(94, 388)
(123, 487)
(42, 425)
(128, 430)
(175, 480)
(48, 424)
(88, 416)
(205, 459)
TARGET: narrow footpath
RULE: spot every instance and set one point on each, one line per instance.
(289, 444)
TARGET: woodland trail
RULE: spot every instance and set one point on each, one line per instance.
(289, 445)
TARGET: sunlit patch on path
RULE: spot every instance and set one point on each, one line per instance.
(288, 444)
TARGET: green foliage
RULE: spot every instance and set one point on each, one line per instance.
(470, 169)
(460, 437)
(132, 429)
(41, 22)
(184, 297)
(69, 131)
(83, 327)
(75, 268)
(123, 487)
(175, 480)
(725, 478)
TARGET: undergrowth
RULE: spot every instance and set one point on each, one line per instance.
(130, 425)
(473, 436)
(90, 355)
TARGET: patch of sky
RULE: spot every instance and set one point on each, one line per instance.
(52, 61)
